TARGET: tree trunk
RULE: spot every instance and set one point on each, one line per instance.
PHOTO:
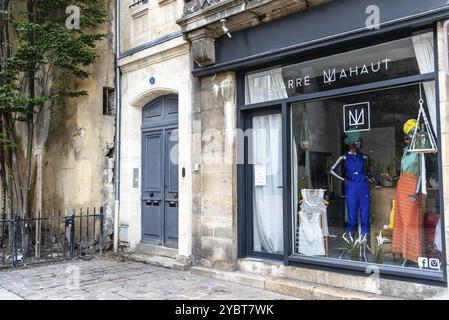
(3, 178)
(14, 165)
(3, 190)
(29, 145)
(39, 169)
(5, 53)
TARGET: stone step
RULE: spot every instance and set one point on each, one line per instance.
(158, 261)
(298, 289)
(156, 250)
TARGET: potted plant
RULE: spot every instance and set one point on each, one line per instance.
(353, 246)
(380, 246)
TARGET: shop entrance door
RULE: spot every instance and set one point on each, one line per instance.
(160, 172)
(265, 158)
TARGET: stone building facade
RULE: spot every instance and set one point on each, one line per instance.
(230, 66)
(154, 63)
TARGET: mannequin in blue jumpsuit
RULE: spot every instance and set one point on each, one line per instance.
(356, 178)
(357, 193)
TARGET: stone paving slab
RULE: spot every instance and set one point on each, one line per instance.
(6, 295)
(104, 279)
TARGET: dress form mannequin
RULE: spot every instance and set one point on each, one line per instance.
(407, 215)
(326, 203)
(313, 209)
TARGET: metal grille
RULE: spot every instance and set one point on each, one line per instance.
(135, 3)
(50, 236)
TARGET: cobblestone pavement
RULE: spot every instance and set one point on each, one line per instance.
(103, 279)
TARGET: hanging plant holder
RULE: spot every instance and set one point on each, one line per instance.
(423, 140)
(306, 137)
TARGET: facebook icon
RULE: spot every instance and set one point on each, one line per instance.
(423, 263)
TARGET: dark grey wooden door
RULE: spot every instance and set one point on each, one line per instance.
(160, 172)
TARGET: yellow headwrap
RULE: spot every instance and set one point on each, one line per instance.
(410, 125)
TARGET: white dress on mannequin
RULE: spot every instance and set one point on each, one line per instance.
(312, 214)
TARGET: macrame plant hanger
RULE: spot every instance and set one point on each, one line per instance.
(423, 132)
(306, 137)
(306, 144)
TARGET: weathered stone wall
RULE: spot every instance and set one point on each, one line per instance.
(214, 181)
(78, 163)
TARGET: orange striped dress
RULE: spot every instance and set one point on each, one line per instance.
(407, 225)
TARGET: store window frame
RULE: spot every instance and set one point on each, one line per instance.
(244, 175)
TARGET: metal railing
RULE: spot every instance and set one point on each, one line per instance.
(135, 3)
(36, 237)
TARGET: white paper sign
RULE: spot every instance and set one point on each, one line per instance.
(260, 175)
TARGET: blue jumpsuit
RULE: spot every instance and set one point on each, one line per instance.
(357, 193)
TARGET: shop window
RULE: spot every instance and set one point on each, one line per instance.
(365, 183)
(354, 191)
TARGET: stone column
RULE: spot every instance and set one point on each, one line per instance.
(214, 140)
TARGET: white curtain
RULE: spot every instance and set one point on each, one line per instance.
(295, 177)
(268, 200)
(265, 86)
(424, 50)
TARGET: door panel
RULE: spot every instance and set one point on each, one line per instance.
(171, 223)
(152, 214)
(171, 162)
(172, 106)
(152, 195)
(153, 167)
(171, 187)
(267, 184)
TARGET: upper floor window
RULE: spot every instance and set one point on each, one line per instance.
(135, 3)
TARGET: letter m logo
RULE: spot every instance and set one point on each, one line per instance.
(356, 117)
(329, 77)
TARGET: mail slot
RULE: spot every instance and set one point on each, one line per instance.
(154, 203)
(172, 204)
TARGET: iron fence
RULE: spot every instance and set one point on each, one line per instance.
(36, 237)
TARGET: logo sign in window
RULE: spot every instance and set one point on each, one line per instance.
(356, 117)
